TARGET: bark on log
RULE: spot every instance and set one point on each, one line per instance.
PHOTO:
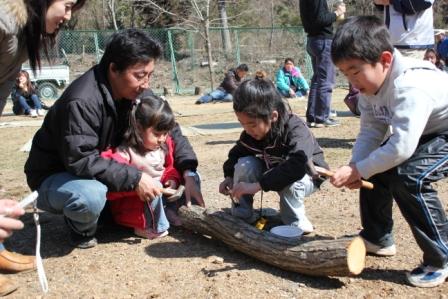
(316, 256)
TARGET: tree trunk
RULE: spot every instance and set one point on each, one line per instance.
(208, 47)
(225, 34)
(316, 256)
(111, 5)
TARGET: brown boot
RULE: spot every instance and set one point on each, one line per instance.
(11, 262)
(6, 286)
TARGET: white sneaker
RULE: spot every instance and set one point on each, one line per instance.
(371, 248)
(33, 113)
(427, 276)
(40, 112)
(305, 225)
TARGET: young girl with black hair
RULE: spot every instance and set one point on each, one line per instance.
(147, 146)
(275, 152)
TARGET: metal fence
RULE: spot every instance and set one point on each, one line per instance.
(183, 67)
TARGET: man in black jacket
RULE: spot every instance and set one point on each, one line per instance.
(64, 164)
(318, 21)
(224, 93)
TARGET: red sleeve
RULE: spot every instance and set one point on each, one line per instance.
(170, 172)
(112, 153)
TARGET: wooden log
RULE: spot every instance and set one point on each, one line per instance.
(316, 256)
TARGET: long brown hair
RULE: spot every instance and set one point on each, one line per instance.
(35, 30)
(29, 86)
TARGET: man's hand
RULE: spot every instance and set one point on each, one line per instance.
(242, 188)
(347, 176)
(192, 191)
(147, 189)
(340, 9)
(9, 210)
(171, 184)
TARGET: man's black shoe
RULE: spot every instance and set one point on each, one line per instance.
(81, 241)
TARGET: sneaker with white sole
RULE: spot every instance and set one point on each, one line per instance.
(305, 225)
(374, 249)
(427, 276)
(150, 234)
(40, 112)
(33, 113)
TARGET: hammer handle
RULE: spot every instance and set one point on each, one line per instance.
(328, 173)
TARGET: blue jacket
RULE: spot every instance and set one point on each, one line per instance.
(282, 80)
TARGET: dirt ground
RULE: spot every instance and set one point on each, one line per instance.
(187, 265)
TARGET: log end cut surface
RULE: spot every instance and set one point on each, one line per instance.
(356, 256)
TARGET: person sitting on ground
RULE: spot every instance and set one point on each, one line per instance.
(290, 82)
(275, 152)
(431, 56)
(148, 146)
(402, 146)
(231, 81)
(24, 97)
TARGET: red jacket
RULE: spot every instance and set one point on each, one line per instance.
(126, 207)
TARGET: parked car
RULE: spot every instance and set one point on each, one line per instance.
(50, 79)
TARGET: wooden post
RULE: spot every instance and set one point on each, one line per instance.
(197, 90)
(316, 256)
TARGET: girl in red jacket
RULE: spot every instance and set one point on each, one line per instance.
(147, 146)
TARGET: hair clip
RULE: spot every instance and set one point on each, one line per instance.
(137, 101)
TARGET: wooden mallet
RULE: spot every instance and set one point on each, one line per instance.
(328, 173)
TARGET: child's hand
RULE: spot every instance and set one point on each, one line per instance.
(242, 188)
(171, 184)
(226, 186)
(9, 210)
(347, 176)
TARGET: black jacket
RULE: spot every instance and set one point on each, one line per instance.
(81, 124)
(317, 20)
(231, 81)
(284, 157)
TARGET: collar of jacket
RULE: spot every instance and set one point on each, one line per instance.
(104, 86)
(17, 11)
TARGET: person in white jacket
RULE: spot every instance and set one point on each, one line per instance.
(410, 25)
(402, 146)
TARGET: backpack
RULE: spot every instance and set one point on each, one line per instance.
(410, 7)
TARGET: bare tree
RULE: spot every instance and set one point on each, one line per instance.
(225, 33)
(112, 11)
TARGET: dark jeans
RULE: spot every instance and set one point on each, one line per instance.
(26, 104)
(319, 99)
(410, 185)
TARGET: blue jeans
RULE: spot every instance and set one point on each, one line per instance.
(299, 93)
(155, 215)
(292, 208)
(216, 95)
(319, 99)
(79, 200)
(26, 107)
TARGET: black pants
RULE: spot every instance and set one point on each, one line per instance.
(410, 185)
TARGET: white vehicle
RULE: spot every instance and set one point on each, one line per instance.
(49, 79)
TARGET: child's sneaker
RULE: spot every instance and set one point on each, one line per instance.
(149, 233)
(427, 276)
(380, 250)
(40, 112)
(305, 225)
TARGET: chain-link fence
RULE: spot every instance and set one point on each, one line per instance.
(184, 65)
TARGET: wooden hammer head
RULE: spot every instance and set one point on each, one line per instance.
(173, 194)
